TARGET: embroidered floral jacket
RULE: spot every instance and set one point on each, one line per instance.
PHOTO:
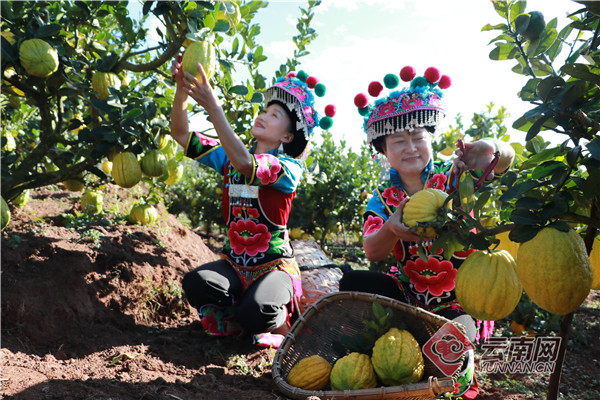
(426, 284)
(256, 209)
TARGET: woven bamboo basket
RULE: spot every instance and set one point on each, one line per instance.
(342, 313)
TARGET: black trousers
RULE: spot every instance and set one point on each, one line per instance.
(261, 308)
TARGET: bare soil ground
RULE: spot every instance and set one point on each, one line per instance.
(94, 310)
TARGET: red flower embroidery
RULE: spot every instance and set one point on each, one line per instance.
(268, 168)
(434, 275)
(237, 211)
(248, 236)
(252, 212)
(205, 140)
(372, 225)
(408, 102)
(437, 181)
(399, 251)
(387, 108)
(393, 196)
(463, 254)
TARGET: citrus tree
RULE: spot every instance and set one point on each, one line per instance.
(550, 199)
(83, 81)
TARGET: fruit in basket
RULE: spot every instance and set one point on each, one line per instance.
(487, 285)
(555, 270)
(310, 373)
(397, 358)
(353, 372)
(424, 206)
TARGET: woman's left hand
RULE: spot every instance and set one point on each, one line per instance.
(477, 155)
(201, 91)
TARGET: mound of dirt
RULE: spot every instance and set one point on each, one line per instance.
(92, 308)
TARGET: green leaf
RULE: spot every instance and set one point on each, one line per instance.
(523, 233)
(594, 147)
(257, 97)
(546, 89)
(518, 190)
(466, 191)
(222, 25)
(546, 169)
(536, 127)
(582, 71)
(573, 94)
(529, 203)
(501, 7)
(239, 89)
(528, 92)
(488, 27)
(131, 114)
(543, 43)
(559, 225)
(504, 51)
(48, 30)
(521, 216)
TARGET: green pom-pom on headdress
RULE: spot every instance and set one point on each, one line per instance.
(303, 76)
(364, 111)
(419, 81)
(320, 89)
(326, 123)
(391, 81)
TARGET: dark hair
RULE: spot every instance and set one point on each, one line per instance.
(379, 141)
(298, 144)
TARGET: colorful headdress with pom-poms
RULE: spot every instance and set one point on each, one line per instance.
(297, 91)
(417, 105)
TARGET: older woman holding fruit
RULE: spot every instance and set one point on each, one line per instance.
(252, 287)
(400, 127)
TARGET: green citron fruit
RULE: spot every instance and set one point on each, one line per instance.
(555, 270)
(423, 206)
(143, 214)
(22, 199)
(174, 171)
(353, 372)
(535, 27)
(92, 202)
(38, 57)
(487, 285)
(234, 18)
(101, 81)
(154, 163)
(126, 170)
(397, 358)
(4, 213)
(203, 53)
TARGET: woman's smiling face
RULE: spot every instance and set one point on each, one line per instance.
(408, 152)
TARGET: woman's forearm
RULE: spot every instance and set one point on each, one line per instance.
(179, 118)
(379, 245)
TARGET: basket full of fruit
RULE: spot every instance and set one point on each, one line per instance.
(351, 345)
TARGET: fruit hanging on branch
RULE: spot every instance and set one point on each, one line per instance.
(310, 373)
(397, 358)
(126, 170)
(154, 163)
(203, 53)
(74, 185)
(101, 81)
(555, 270)
(424, 206)
(38, 57)
(487, 285)
(595, 263)
(173, 174)
(4, 214)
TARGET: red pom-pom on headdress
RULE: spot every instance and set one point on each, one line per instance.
(330, 110)
(432, 75)
(311, 81)
(291, 74)
(360, 100)
(407, 73)
(444, 82)
(375, 88)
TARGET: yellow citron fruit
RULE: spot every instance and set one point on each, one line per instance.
(203, 53)
(397, 358)
(38, 57)
(296, 233)
(126, 170)
(507, 244)
(595, 262)
(234, 18)
(555, 270)
(353, 372)
(107, 167)
(175, 171)
(423, 206)
(487, 285)
(101, 81)
(310, 373)
(74, 185)
(448, 151)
